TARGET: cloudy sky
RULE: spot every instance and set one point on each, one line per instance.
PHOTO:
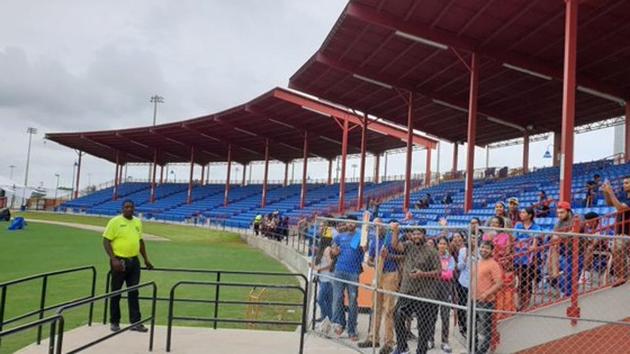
(87, 65)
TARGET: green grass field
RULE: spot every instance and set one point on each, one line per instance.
(43, 248)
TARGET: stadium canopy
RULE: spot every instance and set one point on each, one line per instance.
(279, 125)
(479, 71)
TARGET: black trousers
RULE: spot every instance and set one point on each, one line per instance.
(130, 276)
(425, 312)
(462, 300)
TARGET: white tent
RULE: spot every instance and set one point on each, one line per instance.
(16, 190)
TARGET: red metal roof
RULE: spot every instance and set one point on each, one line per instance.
(378, 48)
(278, 115)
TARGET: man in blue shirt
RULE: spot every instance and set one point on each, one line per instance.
(621, 247)
(347, 248)
(384, 259)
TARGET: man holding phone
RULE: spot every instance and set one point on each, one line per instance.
(420, 274)
(123, 242)
(347, 248)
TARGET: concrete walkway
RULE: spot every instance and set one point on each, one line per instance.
(191, 340)
(99, 229)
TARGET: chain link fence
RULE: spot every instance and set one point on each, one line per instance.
(388, 287)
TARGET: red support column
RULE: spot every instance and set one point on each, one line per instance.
(76, 189)
(377, 168)
(161, 174)
(472, 131)
(568, 99)
(627, 145)
(427, 177)
(263, 202)
(120, 175)
(153, 172)
(526, 152)
(342, 178)
(362, 167)
(190, 177)
(568, 122)
(409, 156)
(244, 175)
(455, 157)
(330, 163)
(203, 175)
(556, 148)
(304, 170)
(226, 195)
(286, 174)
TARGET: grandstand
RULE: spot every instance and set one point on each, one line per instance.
(244, 203)
(526, 188)
(208, 204)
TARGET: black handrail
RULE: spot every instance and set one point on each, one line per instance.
(218, 273)
(216, 319)
(102, 297)
(38, 323)
(44, 291)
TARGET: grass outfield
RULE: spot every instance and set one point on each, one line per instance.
(170, 231)
(43, 248)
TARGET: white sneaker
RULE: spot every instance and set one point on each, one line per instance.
(325, 326)
(446, 348)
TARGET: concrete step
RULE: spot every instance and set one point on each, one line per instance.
(191, 340)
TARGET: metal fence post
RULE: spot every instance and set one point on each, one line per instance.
(216, 299)
(51, 339)
(42, 304)
(3, 300)
(169, 320)
(105, 307)
(315, 290)
(152, 329)
(92, 293)
(303, 329)
(470, 304)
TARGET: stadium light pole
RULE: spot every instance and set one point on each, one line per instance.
(11, 167)
(30, 131)
(174, 176)
(74, 168)
(56, 186)
(155, 99)
(354, 171)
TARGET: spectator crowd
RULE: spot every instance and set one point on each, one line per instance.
(502, 263)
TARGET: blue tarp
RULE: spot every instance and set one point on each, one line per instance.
(17, 224)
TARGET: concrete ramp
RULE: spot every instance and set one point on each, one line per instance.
(190, 340)
(521, 333)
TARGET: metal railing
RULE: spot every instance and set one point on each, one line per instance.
(106, 296)
(38, 323)
(218, 275)
(44, 292)
(215, 319)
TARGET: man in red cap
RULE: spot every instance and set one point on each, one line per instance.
(620, 203)
(561, 253)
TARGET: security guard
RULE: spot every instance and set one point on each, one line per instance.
(257, 222)
(123, 242)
